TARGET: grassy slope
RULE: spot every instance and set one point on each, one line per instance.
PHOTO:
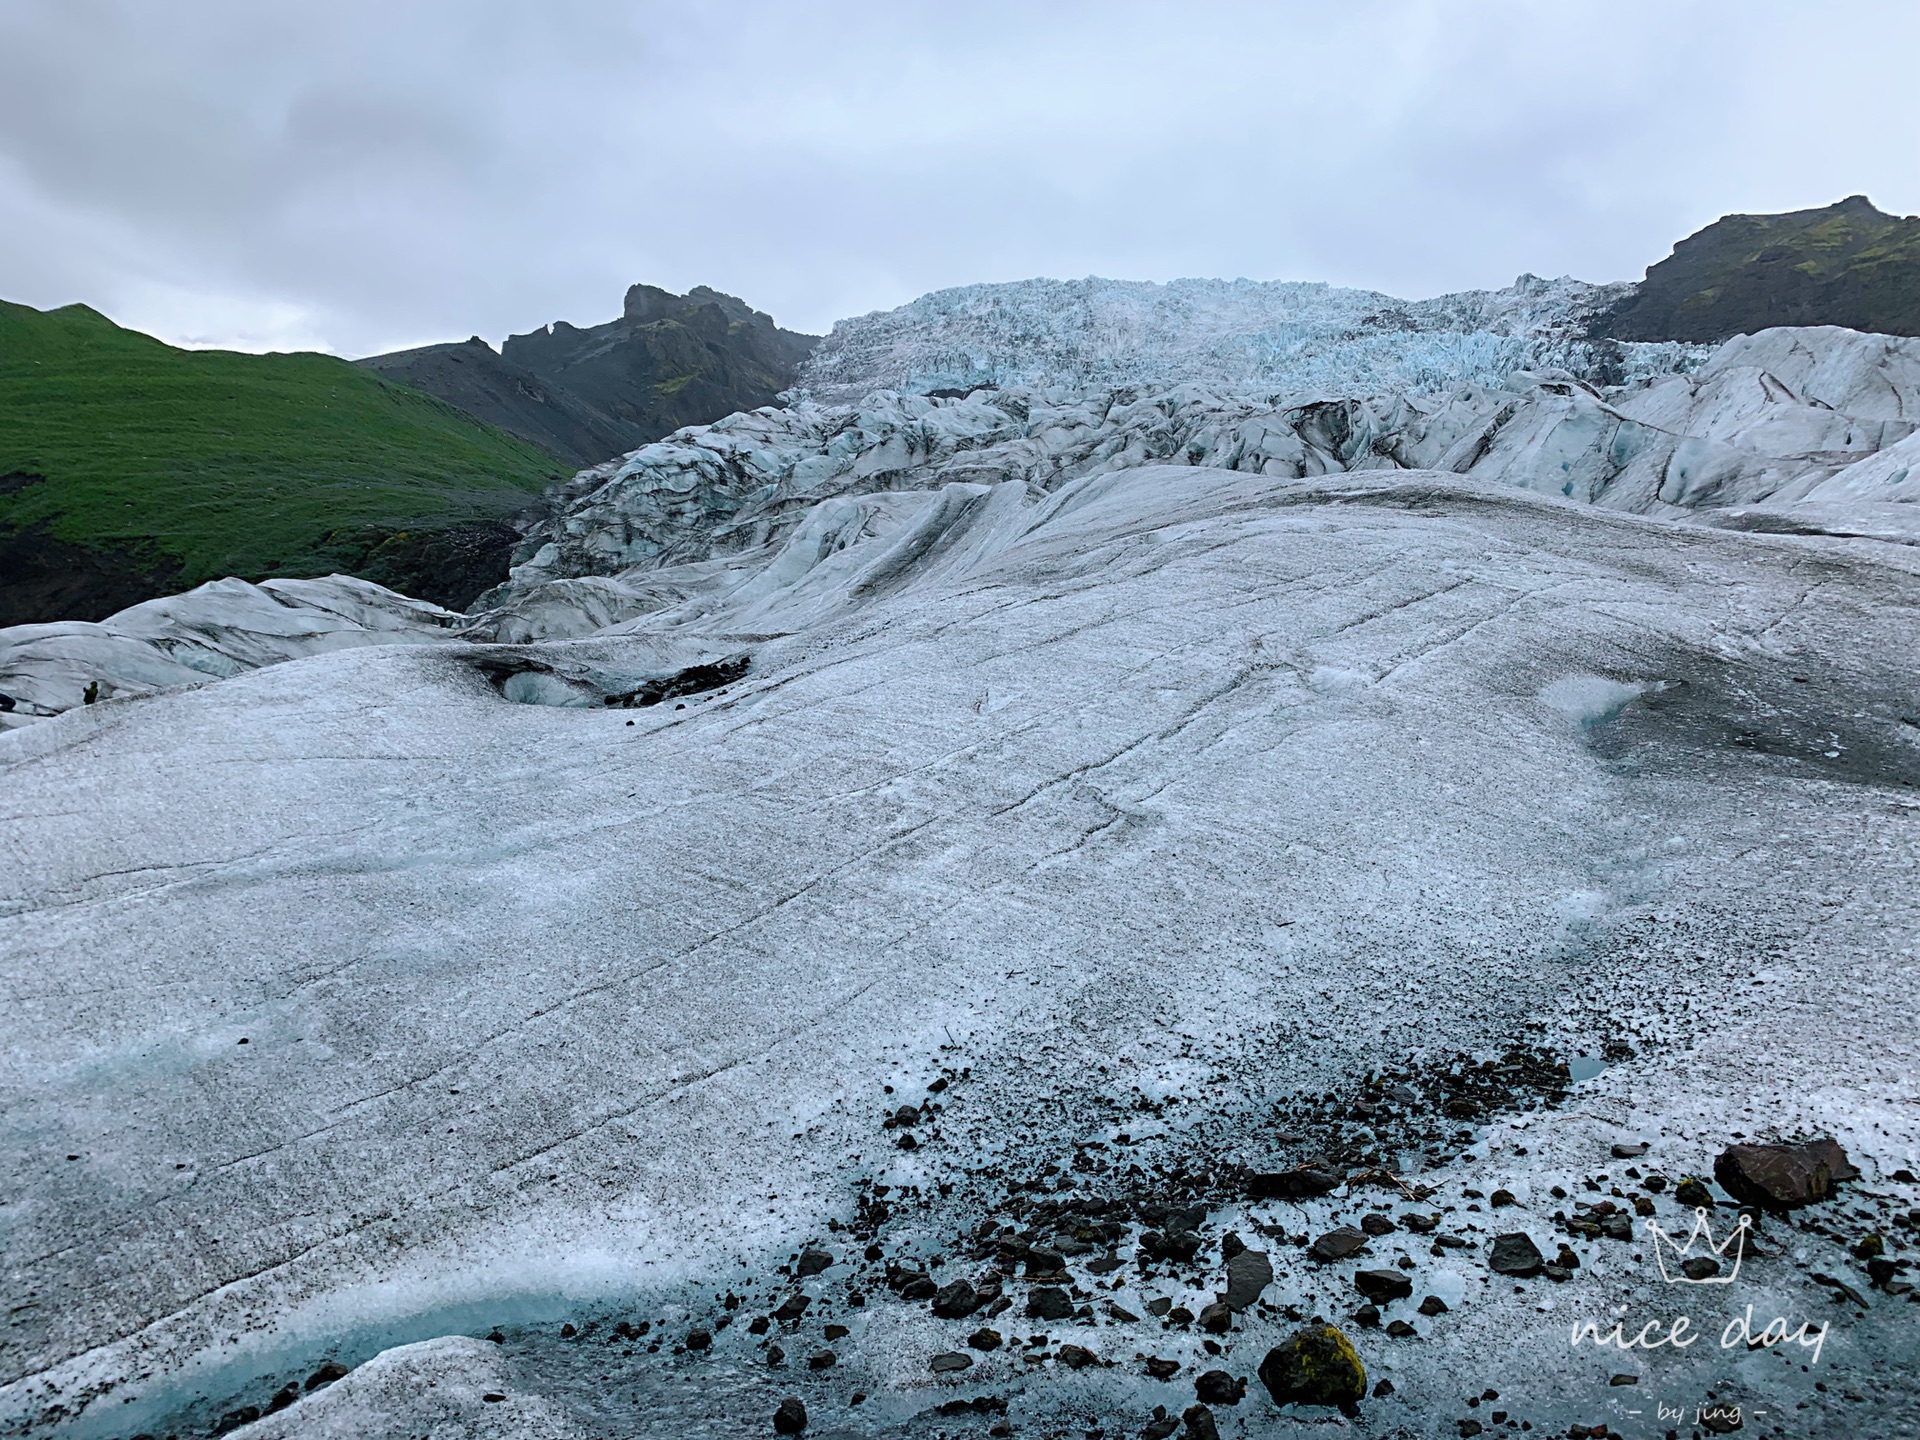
(231, 464)
(1845, 264)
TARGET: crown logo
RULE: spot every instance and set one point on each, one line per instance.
(1699, 1266)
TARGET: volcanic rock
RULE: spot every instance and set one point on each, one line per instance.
(1338, 1244)
(1217, 1387)
(1316, 1177)
(812, 1262)
(1249, 1272)
(1381, 1286)
(956, 1301)
(1048, 1302)
(1515, 1254)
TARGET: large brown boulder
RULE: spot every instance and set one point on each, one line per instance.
(1782, 1177)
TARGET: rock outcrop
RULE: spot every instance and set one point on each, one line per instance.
(586, 393)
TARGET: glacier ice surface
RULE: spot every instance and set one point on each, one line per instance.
(1132, 806)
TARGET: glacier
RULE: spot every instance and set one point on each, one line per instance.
(1153, 783)
(1238, 335)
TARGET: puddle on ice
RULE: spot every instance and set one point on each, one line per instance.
(1585, 1067)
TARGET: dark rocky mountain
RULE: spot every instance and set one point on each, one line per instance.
(585, 394)
(471, 376)
(1846, 264)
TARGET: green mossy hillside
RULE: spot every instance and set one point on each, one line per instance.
(187, 466)
(1845, 264)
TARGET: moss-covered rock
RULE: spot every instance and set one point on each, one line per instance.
(1316, 1365)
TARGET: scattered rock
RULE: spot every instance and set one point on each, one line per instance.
(1162, 1369)
(329, 1372)
(1048, 1302)
(1694, 1194)
(790, 1418)
(1382, 1286)
(1160, 1427)
(1701, 1267)
(1249, 1272)
(1315, 1177)
(1316, 1365)
(1377, 1224)
(823, 1360)
(1515, 1254)
(1199, 1423)
(985, 1339)
(1630, 1152)
(699, 1339)
(792, 1308)
(1500, 1199)
(1781, 1177)
(1383, 1390)
(1338, 1244)
(951, 1362)
(812, 1262)
(1217, 1387)
(1401, 1330)
(956, 1301)
(1217, 1318)
(1076, 1357)
(1367, 1317)
(1045, 1262)
(1176, 1245)
(1843, 1290)
(1433, 1305)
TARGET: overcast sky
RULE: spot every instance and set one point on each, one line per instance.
(360, 175)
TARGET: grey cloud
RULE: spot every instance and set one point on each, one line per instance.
(367, 175)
